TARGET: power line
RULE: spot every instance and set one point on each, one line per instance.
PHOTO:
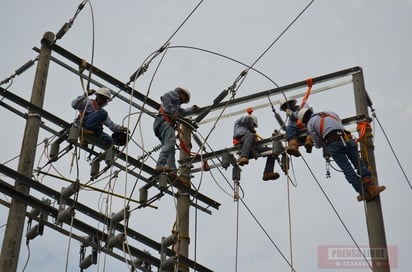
(393, 151)
(336, 212)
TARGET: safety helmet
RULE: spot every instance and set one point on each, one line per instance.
(255, 120)
(104, 92)
(185, 91)
(287, 103)
(304, 114)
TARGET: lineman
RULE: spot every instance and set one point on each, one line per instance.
(164, 126)
(244, 133)
(293, 126)
(93, 116)
(327, 130)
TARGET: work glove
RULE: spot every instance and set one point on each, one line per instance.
(289, 112)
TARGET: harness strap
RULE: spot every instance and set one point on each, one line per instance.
(95, 106)
(323, 115)
(165, 115)
(309, 81)
(306, 97)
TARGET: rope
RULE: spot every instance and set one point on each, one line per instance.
(308, 90)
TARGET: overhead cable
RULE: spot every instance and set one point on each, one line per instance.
(69, 24)
(280, 35)
(337, 214)
(20, 70)
(143, 68)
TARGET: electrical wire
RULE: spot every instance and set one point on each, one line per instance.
(290, 225)
(279, 36)
(336, 212)
(184, 21)
(28, 257)
(237, 235)
(393, 151)
(223, 56)
(69, 243)
(267, 235)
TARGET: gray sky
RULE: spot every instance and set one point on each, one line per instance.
(328, 37)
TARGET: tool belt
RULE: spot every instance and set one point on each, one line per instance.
(337, 135)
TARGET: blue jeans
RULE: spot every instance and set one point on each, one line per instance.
(344, 155)
(166, 134)
(94, 122)
(248, 142)
(292, 131)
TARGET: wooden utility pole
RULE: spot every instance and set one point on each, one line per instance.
(374, 217)
(15, 223)
(183, 200)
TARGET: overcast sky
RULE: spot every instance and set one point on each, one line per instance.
(328, 37)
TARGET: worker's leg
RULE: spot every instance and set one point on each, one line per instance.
(338, 152)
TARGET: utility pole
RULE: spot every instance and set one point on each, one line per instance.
(15, 222)
(183, 200)
(374, 217)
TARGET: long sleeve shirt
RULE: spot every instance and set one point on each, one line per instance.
(243, 125)
(314, 127)
(87, 106)
(171, 104)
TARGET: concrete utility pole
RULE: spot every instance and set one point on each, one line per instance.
(374, 217)
(15, 222)
(183, 200)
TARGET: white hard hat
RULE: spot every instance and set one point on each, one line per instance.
(304, 114)
(255, 120)
(286, 102)
(104, 92)
(185, 91)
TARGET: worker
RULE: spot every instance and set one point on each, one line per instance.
(327, 130)
(293, 127)
(92, 115)
(244, 133)
(165, 125)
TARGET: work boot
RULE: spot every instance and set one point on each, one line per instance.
(293, 147)
(308, 144)
(83, 131)
(270, 176)
(370, 189)
(243, 160)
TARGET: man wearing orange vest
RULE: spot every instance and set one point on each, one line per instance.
(93, 116)
(327, 130)
(165, 124)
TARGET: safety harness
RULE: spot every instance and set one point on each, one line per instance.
(309, 82)
(323, 115)
(165, 115)
(81, 113)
